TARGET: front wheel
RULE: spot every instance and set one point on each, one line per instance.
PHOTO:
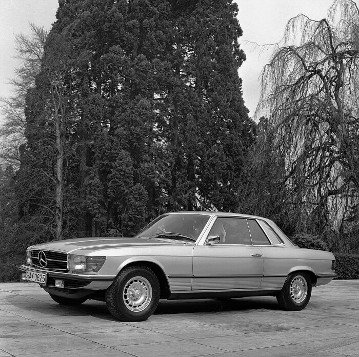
(134, 295)
(296, 292)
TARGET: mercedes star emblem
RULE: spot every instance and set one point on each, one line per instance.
(42, 259)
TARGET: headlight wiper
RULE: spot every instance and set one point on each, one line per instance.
(174, 235)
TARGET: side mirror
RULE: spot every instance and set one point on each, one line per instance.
(213, 240)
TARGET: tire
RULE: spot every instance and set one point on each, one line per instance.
(134, 295)
(67, 301)
(296, 292)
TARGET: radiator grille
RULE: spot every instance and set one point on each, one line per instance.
(49, 260)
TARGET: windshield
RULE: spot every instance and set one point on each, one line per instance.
(181, 226)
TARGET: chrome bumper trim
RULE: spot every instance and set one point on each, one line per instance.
(55, 274)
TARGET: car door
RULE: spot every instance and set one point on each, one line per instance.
(233, 263)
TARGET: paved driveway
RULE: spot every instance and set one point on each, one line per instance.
(31, 324)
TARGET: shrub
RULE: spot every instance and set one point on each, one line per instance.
(9, 268)
(304, 240)
(347, 265)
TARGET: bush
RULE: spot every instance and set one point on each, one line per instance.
(309, 241)
(347, 265)
(9, 268)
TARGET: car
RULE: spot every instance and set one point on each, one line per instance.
(180, 255)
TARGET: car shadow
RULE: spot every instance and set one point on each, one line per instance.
(99, 310)
(167, 307)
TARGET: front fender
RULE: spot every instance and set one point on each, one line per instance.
(155, 266)
(138, 259)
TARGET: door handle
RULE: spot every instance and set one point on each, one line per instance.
(257, 255)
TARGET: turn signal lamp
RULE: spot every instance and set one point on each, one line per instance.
(28, 257)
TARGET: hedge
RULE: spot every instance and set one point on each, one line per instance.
(347, 265)
(309, 241)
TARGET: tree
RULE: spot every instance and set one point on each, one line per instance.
(311, 95)
(16, 233)
(210, 131)
(43, 154)
(139, 106)
(30, 51)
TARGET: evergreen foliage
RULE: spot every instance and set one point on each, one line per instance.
(137, 110)
(347, 266)
(309, 241)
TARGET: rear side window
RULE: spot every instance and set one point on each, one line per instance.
(274, 238)
(257, 234)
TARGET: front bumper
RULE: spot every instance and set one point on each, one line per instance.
(73, 281)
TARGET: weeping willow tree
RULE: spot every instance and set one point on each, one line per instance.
(310, 92)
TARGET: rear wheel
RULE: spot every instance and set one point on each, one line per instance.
(134, 295)
(296, 292)
(67, 301)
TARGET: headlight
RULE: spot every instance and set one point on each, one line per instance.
(94, 264)
(83, 264)
(28, 257)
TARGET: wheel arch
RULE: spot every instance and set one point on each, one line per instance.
(305, 269)
(155, 267)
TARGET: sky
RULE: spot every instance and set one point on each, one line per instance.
(262, 22)
(15, 17)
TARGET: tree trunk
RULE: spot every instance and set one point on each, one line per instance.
(59, 192)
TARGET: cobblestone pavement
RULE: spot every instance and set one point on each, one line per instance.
(31, 324)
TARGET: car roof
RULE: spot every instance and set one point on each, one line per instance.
(220, 214)
(278, 231)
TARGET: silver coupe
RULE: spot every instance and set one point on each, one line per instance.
(180, 255)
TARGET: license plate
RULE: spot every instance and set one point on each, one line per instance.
(35, 276)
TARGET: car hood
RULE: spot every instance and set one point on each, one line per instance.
(93, 244)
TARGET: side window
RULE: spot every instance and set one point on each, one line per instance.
(274, 238)
(231, 230)
(257, 234)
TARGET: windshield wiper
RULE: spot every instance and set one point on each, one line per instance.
(173, 235)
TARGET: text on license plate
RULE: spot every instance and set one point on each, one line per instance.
(35, 276)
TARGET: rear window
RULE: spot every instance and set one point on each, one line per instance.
(274, 238)
(257, 234)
